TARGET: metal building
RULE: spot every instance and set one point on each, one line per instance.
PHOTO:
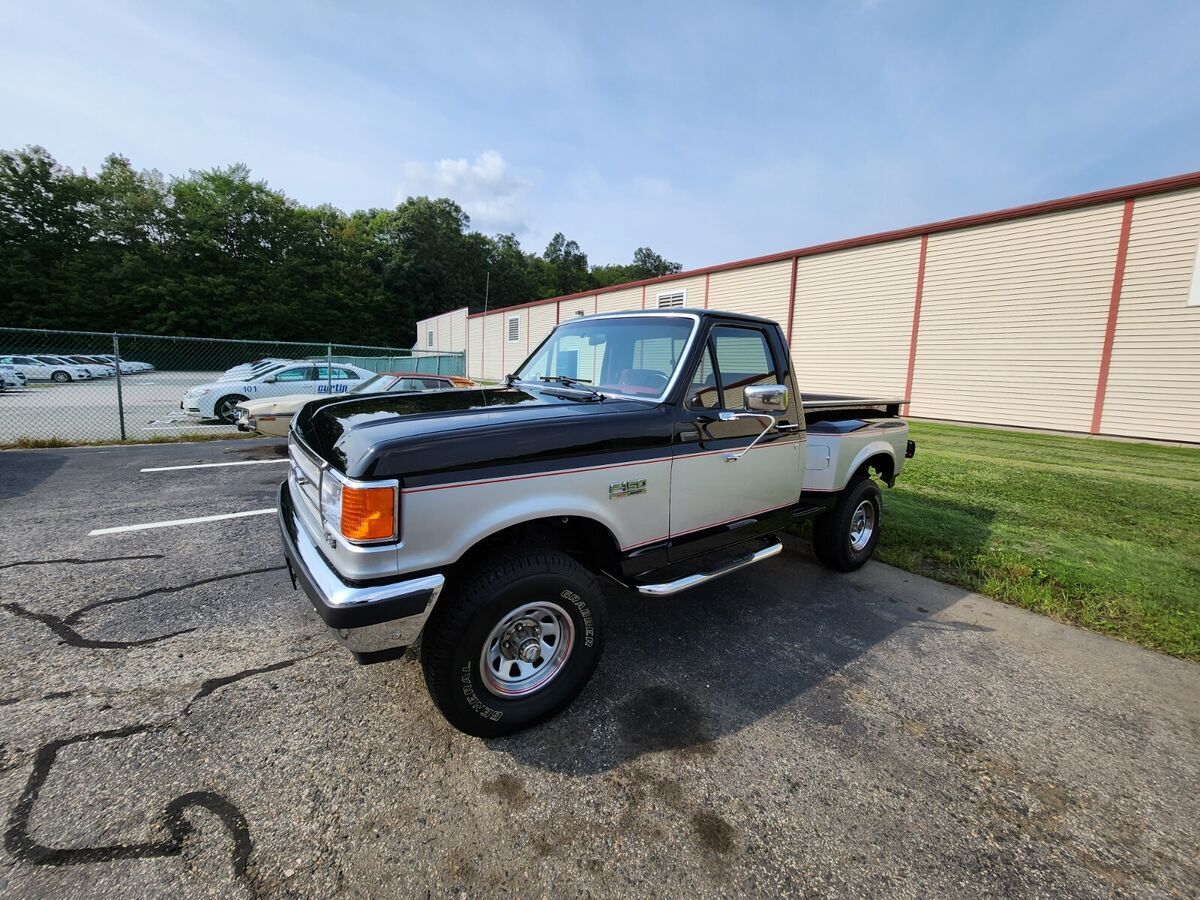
(1080, 314)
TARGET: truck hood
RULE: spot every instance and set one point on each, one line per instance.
(399, 435)
(279, 406)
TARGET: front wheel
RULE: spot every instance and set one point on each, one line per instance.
(60, 377)
(515, 643)
(844, 537)
(225, 408)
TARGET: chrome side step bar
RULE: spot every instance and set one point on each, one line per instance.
(690, 581)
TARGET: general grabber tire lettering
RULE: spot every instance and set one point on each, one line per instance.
(514, 642)
(844, 537)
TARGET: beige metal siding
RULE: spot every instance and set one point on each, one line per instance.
(693, 287)
(1154, 378)
(458, 330)
(569, 308)
(1013, 318)
(541, 323)
(852, 323)
(758, 290)
(619, 301)
(493, 346)
(515, 351)
(474, 347)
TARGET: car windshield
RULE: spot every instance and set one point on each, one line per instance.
(376, 384)
(633, 356)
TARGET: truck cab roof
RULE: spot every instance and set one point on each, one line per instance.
(702, 314)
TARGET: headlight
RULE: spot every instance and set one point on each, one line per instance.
(360, 513)
(199, 392)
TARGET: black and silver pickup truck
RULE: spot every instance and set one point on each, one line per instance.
(658, 449)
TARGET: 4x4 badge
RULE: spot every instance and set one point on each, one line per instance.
(626, 488)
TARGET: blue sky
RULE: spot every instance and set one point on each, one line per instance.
(709, 132)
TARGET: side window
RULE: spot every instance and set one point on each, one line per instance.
(342, 374)
(304, 373)
(704, 392)
(743, 358)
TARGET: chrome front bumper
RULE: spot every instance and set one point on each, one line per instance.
(366, 618)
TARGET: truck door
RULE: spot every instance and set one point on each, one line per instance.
(716, 500)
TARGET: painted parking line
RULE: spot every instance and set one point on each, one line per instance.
(244, 462)
(170, 523)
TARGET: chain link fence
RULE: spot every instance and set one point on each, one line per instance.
(85, 386)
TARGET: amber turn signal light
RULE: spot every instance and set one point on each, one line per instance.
(368, 514)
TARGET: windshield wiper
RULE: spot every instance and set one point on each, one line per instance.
(574, 383)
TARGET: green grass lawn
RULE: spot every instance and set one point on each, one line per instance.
(1105, 534)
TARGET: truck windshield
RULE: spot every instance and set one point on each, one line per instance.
(632, 356)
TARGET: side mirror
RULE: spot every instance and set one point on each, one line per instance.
(270, 379)
(766, 397)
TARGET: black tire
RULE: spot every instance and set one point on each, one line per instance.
(832, 531)
(454, 639)
(224, 410)
(60, 377)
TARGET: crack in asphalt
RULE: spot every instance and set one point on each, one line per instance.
(70, 636)
(75, 560)
(209, 685)
(63, 626)
(74, 617)
(21, 844)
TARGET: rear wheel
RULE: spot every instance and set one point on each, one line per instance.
(844, 537)
(224, 409)
(515, 643)
(60, 377)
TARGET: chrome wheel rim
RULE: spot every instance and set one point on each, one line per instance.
(225, 410)
(862, 525)
(527, 649)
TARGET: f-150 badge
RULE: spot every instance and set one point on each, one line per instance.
(626, 488)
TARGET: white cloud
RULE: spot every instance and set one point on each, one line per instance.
(493, 196)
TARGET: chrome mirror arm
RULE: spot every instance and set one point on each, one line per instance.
(731, 416)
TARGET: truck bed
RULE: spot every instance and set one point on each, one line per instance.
(829, 407)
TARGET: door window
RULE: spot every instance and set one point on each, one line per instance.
(704, 392)
(302, 374)
(743, 358)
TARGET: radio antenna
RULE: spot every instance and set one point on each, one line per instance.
(487, 285)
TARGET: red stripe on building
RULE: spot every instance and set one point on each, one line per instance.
(792, 299)
(912, 341)
(1114, 305)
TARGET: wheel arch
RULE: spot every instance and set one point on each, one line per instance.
(583, 537)
(878, 456)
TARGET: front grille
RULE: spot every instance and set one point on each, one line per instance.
(306, 475)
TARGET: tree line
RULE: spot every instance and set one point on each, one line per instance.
(218, 254)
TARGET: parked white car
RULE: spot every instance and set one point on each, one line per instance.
(36, 369)
(261, 368)
(218, 399)
(76, 371)
(109, 369)
(95, 369)
(9, 377)
(240, 372)
(128, 367)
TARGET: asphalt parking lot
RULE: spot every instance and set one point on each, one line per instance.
(175, 721)
(88, 411)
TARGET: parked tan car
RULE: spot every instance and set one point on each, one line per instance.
(273, 415)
